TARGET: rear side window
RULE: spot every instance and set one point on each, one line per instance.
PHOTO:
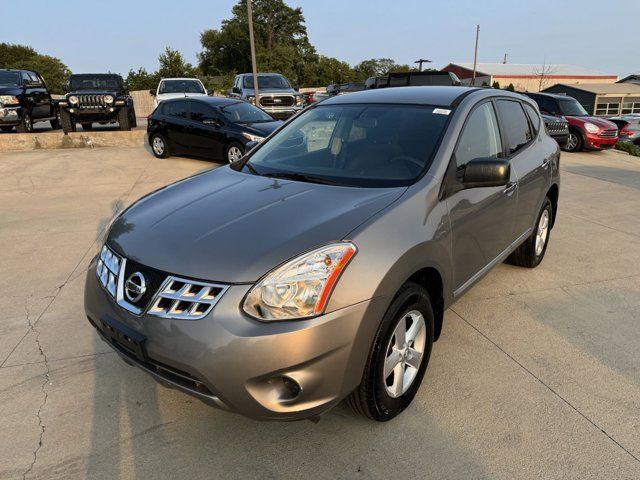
(175, 109)
(534, 117)
(480, 137)
(515, 125)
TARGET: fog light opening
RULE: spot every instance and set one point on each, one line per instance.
(287, 388)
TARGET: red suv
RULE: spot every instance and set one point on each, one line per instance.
(585, 132)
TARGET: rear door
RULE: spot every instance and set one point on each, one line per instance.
(174, 121)
(205, 132)
(482, 219)
(532, 170)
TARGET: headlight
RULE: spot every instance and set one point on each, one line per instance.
(252, 138)
(6, 100)
(251, 99)
(301, 287)
(591, 128)
(73, 100)
(108, 99)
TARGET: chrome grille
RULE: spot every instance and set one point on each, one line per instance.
(178, 298)
(557, 127)
(185, 299)
(610, 133)
(91, 101)
(277, 100)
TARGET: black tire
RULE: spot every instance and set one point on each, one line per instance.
(229, 151)
(574, 142)
(26, 123)
(154, 141)
(68, 125)
(525, 255)
(87, 126)
(134, 120)
(371, 398)
(124, 119)
(7, 128)
(55, 124)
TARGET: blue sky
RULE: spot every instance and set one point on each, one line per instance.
(134, 32)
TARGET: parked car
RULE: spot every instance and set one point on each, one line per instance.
(557, 128)
(342, 88)
(312, 97)
(628, 128)
(96, 98)
(214, 127)
(309, 271)
(413, 79)
(177, 87)
(585, 131)
(277, 97)
(25, 100)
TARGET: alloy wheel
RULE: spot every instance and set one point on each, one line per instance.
(234, 154)
(158, 145)
(405, 352)
(543, 232)
(572, 142)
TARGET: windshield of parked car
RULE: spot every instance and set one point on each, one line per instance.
(357, 145)
(181, 86)
(243, 112)
(10, 79)
(94, 82)
(570, 106)
(267, 81)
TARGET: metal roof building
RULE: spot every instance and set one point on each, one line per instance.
(603, 99)
(528, 77)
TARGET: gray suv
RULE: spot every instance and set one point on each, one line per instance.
(318, 267)
(277, 97)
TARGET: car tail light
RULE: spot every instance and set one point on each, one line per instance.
(624, 132)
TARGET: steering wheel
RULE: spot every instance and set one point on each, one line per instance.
(407, 159)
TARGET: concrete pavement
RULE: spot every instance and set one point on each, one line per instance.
(536, 374)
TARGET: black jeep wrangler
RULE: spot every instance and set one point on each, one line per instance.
(96, 98)
(25, 100)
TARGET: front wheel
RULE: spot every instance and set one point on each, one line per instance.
(398, 357)
(7, 128)
(26, 123)
(234, 152)
(532, 251)
(574, 142)
(124, 119)
(68, 125)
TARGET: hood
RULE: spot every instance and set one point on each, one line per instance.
(597, 121)
(261, 128)
(10, 91)
(93, 91)
(233, 227)
(167, 96)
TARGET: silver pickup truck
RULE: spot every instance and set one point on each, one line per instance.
(277, 97)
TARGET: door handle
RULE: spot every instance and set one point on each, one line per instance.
(546, 163)
(510, 188)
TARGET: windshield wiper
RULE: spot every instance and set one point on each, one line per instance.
(301, 177)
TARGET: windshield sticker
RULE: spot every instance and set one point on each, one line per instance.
(441, 111)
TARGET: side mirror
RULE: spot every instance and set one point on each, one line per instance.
(235, 90)
(250, 146)
(486, 172)
(152, 92)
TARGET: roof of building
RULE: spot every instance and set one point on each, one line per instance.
(602, 88)
(521, 69)
(632, 77)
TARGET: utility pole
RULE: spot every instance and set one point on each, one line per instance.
(420, 62)
(506, 55)
(253, 53)
(475, 57)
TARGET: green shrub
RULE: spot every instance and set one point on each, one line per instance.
(630, 148)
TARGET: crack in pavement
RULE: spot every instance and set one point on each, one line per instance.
(548, 387)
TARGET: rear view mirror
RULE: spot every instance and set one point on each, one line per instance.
(235, 90)
(486, 172)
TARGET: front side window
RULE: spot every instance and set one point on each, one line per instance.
(570, 106)
(515, 125)
(201, 112)
(480, 137)
(181, 86)
(243, 112)
(358, 145)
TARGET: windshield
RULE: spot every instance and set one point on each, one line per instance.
(243, 112)
(570, 106)
(94, 82)
(357, 145)
(181, 86)
(277, 82)
(10, 79)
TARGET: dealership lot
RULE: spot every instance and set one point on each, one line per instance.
(537, 373)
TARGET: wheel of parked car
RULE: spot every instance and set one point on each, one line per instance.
(532, 251)
(26, 123)
(159, 146)
(87, 126)
(574, 142)
(55, 123)
(398, 357)
(6, 129)
(134, 121)
(67, 124)
(234, 152)
(124, 119)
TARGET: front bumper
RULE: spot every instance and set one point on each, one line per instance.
(10, 116)
(91, 115)
(281, 113)
(233, 362)
(595, 142)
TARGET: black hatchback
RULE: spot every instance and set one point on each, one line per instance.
(213, 127)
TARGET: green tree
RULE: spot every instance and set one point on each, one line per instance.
(376, 67)
(54, 72)
(173, 64)
(511, 88)
(496, 84)
(141, 79)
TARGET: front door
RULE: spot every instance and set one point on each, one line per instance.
(206, 130)
(482, 219)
